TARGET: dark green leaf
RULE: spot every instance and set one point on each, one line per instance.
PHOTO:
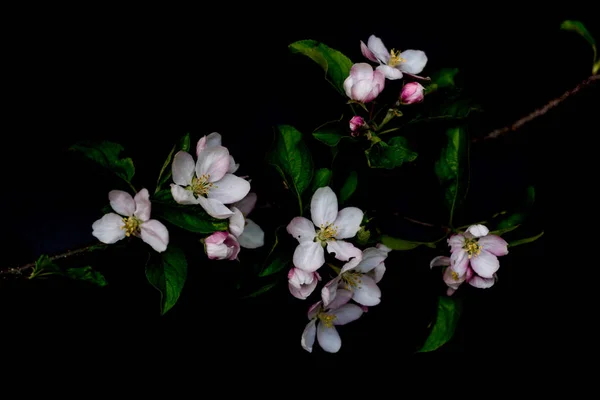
(448, 313)
(441, 79)
(349, 187)
(86, 274)
(275, 266)
(401, 244)
(262, 290)
(107, 155)
(579, 28)
(329, 137)
(44, 266)
(335, 64)
(513, 220)
(163, 196)
(168, 276)
(166, 172)
(452, 169)
(525, 240)
(392, 155)
(192, 218)
(322, 178)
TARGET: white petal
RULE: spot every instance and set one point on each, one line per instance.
(232, 165)
(440, 261)
(155, 234)
(367, 53)
(246, 205)
(213, 162)
(363, 91)
(494, 244)
(201, 145)
(361, 71)
(348, 83)
(485, 264)
(183, 196)
(229, 189)
(328, 338)
(377, 272)
(302, 229)
(352, 264)
(303, 291)
(315, 309)
(183, 168)
(215, 208)
(367, 292)
(323, 206)
(121, 202)
(371, 258)
(253, 236)
(108, 228)
(236, 222)
(213, 140)
(142, 205)
(456, 242)
(342, 297)
(308, 336)
(459, 261)
(343, 250)
(481, 283)
(348, 222)
(415, 61)
(347, 313)
(378, 48)
(329, 291)
(309, 256)
(390, 72)
(478, 230)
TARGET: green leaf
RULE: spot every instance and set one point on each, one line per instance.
(107, 155)
(262, 290)
(349, 187)
(392, 155)
(293, 160)
(514, 220)
(165, 172)
(329, 137)
(322, 178)
(335, 64)
(448, 313)
(581, 30)
(275, 266)
(86, 274)
(168, 276)
(452, 169)
(441, 79)
(401, 244)
(525, 240)
(192, 218)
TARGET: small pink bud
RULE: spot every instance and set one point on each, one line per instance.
(221, 246)
(412, 93)
(356, 123)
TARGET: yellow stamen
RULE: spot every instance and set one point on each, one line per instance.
(352, 279)
(132, 226)
(327, 319)
(395, 58)
(201, 186)
(472, 247)
(327, 232)
(454, 275)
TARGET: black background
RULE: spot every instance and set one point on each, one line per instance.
(143, 78)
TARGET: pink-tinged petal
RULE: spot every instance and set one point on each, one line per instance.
(440, 261)
(390, 72)
(494, 244)
(323, 206)
(329, 291)
(361, 91)
(378, 49)
(298, 277)
(415, 61)
(216, 238)
(303, 291)
(237, 222)
(309, 256)
(233, 245)
(229, 189)
(108, 229)
(348, 222)
(371, 257)
(383, 247)
(183, 168)
(469, 274)
(216, 251)
(450, 291)
(378, 81)
(142, 205)
(121, 202)
(478, 230)
(452, 279)
(302, 229)
(361, 71)
(367, 53)
(485, 264)
(232, 166)
(481, 283)
(315, 309)
(213, 140)
(155, 234)
(342, 297)
(348, 83)
(247, 204)
(201, 145)
(346, 314)
(377, 272)
(459, 261)
(309, 335)
(343, 250)
(215, 208)
(253, 236)
(213, 162)
(352, 264)
(328, 338)
(367, 292)
(183, 196)
(456, 242)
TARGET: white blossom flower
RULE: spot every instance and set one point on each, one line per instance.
(393, 63)
(248, 233)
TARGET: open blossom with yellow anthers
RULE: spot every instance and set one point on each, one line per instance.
(393, 63)
(359, 276)
(133, 219)
(208, 181)
(332, 227)
(324, 319)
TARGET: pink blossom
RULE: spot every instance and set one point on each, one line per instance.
(364, 84)
(393, 63)
(412, 93)
(221, 246)
(302, 283)
(356, 123)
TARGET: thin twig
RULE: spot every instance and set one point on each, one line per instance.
(539, 112)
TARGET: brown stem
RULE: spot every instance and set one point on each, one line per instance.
(539, 112)
(19, 270)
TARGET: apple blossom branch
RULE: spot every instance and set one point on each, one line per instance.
(540, 111)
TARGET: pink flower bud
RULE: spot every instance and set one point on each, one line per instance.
(356, 123)
(302, 283)
(364, 84)
(412, 93)
(221, 246)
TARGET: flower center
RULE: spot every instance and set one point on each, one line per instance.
(455, 275)
(472, 247)
(327, 232)
(132, 226)
(201, 186)
(395, 58)
(326, 319)
(352, 279)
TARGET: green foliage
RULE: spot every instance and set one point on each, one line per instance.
(442, 79)
(166, 172)
(448, 313)
(581, 30)
(349, 187)
(519, 242)
(107, 154)
(168, 276)
(321, 179)
(44, 267)
(192, 218)
(401, 244)
(392, 155)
